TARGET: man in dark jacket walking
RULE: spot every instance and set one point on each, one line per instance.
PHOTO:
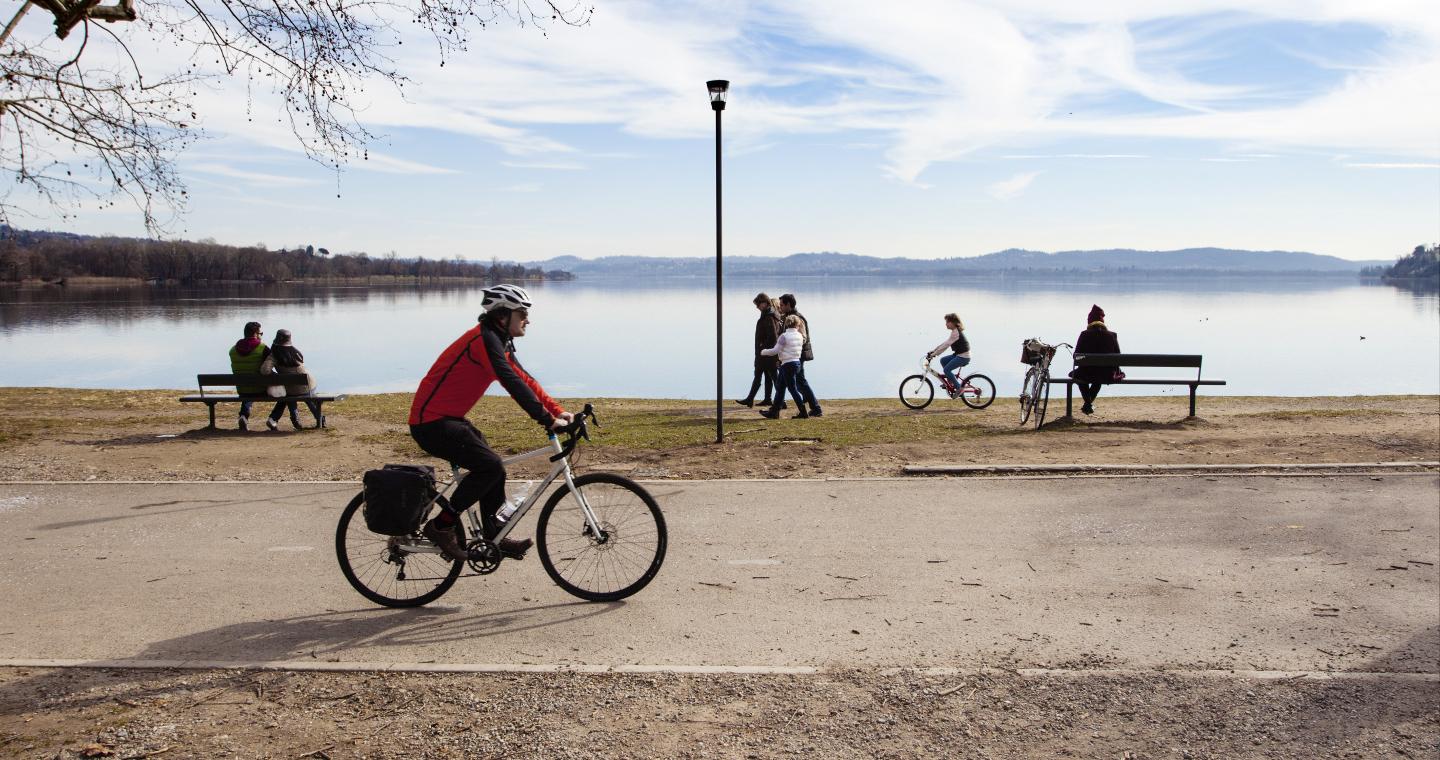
(787, 307)
(1095, 339)
(767, 330)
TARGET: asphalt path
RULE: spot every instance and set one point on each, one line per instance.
(1195, 572)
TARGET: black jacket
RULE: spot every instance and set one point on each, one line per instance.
(1097, 340)
(767, 331)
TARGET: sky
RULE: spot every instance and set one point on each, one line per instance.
(943, 129)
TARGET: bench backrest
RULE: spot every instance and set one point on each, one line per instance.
(249, 380)
(1139, 360)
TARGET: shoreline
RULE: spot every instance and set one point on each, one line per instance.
(55, 434)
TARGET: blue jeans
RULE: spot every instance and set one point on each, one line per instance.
(788, 372)
(950, 363)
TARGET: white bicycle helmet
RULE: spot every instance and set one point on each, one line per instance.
(504, 297)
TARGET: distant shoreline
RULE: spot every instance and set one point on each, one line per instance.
(87, 281)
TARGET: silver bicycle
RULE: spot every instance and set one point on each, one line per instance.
(600, 536)
(1035, 388)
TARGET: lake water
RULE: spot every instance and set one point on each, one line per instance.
(627, 339)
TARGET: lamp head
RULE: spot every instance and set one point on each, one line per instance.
(717, 88)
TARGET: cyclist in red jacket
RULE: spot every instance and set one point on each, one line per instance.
(456, 381)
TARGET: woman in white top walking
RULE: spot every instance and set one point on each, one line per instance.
(787, 348)
(959, 352)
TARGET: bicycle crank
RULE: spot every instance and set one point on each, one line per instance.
(484, 556)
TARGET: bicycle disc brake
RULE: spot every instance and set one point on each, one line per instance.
(484, 556)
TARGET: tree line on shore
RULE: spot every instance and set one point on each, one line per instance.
(51, 256)
(1421, 266)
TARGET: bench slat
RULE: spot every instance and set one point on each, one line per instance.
(251, 379)
(1137, 360)
(219, 398)
(1144, 381)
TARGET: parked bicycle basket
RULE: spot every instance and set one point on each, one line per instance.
(1032, 351)
(396, 497)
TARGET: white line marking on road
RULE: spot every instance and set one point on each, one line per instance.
(433, 667)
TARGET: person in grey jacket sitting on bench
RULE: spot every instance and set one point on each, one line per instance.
(286, 359)
(1095, 339)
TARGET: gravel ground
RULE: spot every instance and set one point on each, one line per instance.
(195, 714)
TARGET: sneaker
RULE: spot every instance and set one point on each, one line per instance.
(816, 412)
(1087, 409)
(244, 423)
(295, 421)
(771, 413)
(272, 424)
(444, 538)
(515, 548)
(745, 402)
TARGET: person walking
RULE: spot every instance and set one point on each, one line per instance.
(787, 349)
(806, 395)
(959, 347)
(246, 356)
(767, 330)
(1096, 338)
(286, 359)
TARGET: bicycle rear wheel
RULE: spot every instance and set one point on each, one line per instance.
(977, 391)
(1027, 394)
(619, 562)
(383, 573)
(916, 391)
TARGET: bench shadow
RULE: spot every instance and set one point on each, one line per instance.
(1071, 423)
(189, 436)
(318, 638)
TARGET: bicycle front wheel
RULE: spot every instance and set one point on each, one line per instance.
(916, 391)
(622, 559)
(977, 391)
(382, 571)
(1042, 400)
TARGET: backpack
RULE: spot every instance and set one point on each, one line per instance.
(397, 498)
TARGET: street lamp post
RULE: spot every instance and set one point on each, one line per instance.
(718, 88)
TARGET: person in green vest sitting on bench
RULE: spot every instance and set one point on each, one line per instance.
(1095, 339)
(246, 356)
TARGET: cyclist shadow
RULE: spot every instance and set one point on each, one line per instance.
(345, 635)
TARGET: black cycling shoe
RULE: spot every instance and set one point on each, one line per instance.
(514, 548)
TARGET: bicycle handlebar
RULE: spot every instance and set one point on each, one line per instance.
(576, 430)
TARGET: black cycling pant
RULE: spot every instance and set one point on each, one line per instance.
(457, 441)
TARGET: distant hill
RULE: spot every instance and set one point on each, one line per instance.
(1420, 269)
(1194, 261)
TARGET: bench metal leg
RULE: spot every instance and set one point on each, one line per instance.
(212, 414)
(319, 414)
(1192, 400)
(1069, 399)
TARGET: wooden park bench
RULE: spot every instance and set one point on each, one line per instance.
(211, 398)
(1138, 360)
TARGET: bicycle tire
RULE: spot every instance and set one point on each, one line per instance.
(1042, 400)
(354, 543)
(579, 563)
(1027, 399)
(916, 391)
(984, 391)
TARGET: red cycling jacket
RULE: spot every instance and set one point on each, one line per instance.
(465, 371)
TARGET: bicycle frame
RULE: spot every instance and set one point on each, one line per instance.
(561, 467)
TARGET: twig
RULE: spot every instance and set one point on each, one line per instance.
(716, 585)
(314, 752)
(861, 598)
(1032, 567)
(1419, 562)
(149, 753)
(949, 691)
(347, 696)
(206, 698)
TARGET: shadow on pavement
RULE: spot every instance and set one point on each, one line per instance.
(192, 505)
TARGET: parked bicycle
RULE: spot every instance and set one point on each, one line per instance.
(1035, 389)
(917, 391)
(600, 536)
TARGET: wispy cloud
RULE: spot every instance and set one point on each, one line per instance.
(1412, 165)
(1012, 188)
(253, 178)
(547, 165)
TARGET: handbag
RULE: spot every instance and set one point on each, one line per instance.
(275, 391)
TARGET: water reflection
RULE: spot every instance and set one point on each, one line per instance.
(1266, 336)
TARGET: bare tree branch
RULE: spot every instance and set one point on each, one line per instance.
(61, 113)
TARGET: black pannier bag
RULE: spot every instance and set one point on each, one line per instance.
(396, 497)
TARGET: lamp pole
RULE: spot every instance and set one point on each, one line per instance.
(718, 88)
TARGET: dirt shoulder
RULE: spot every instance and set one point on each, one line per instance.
(66, 434)
(134, 714)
